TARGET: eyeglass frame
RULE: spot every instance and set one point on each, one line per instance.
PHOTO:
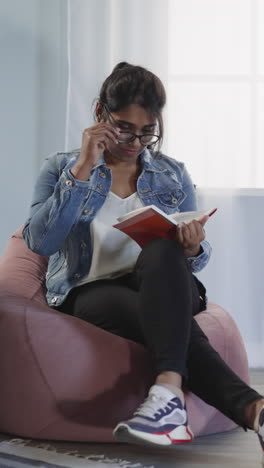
(134, 135)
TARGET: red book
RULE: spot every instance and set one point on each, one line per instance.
(149, 223)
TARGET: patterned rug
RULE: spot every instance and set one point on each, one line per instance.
(23, 453)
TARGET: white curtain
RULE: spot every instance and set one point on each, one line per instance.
(100, 34)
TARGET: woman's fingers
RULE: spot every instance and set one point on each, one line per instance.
(179, 234)
(190, 234)
(95, 140)
(203, 220)
(100, 132)
(196, 230)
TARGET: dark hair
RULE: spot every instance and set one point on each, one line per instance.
(132, 84)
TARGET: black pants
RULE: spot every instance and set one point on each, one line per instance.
(155, 305)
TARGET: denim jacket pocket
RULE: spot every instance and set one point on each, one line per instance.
(171, 199)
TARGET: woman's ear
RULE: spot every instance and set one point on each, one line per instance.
(99, 111)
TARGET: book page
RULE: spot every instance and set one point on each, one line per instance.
(140, 210)
(187, 216)
(184, 216)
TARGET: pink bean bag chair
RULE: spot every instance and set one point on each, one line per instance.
(64, 379)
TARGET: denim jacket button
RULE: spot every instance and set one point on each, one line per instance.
(68, 183)
(103, 175)
(54, 300)
(86, 211)
(77, 275)
(99, 186)
(174, 200)
(83, 244)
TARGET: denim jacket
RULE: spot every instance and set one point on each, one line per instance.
(63, 209)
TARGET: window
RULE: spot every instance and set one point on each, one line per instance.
(216, 90)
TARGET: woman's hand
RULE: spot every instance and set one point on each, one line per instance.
(94, 141)
(191, 235)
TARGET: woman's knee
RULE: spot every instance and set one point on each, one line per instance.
(162, 252)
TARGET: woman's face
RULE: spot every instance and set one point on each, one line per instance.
(134, 119)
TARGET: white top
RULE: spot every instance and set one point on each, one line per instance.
(114, 253)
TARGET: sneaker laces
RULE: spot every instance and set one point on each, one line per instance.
(155, 404)
(149, 406)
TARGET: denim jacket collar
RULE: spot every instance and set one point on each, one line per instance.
(147, 162)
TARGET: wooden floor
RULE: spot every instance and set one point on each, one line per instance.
(234, 449)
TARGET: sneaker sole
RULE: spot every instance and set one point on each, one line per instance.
(124, 433)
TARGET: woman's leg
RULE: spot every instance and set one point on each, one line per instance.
(107, 304)
(154, 306)
(213, 381)
(166, 303)
(168, 299)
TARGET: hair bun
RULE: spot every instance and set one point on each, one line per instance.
(121, 65)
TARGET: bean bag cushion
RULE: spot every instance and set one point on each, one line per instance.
(64, 379)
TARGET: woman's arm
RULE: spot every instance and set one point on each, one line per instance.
(58, 197)
(192, 236)
(56, 205)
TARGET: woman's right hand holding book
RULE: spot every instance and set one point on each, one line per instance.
(191, 235)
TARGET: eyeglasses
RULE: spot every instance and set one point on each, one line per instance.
(127, 137)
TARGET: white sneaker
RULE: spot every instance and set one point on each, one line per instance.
(160, 420)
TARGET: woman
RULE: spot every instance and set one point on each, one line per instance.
(100, 275)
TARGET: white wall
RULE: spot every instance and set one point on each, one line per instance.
(234, 275)
(33, 84)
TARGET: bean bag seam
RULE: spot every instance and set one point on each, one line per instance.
(35, 359)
